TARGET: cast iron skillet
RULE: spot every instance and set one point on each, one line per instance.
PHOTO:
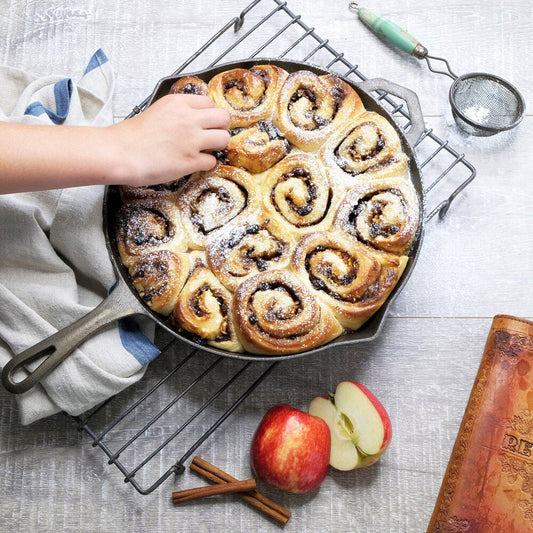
(124, 301)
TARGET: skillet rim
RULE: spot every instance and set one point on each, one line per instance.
(370, 329)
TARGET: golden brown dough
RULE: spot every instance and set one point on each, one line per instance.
(299, 194)
(159, 277)
(275, 313)
(350, 278)
(210, 200)
(248, 94)
(310, 108)
(248, 248)
(163, 191)
(189, 85)
(146, 226)
(366, 147)
(382, 213)
(204, 309)
(257, 147)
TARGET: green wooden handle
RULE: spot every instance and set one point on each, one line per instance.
(392, 32)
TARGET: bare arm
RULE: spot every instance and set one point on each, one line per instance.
(168, 140)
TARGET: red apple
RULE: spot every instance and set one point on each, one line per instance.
(290, 449)
(360, 426)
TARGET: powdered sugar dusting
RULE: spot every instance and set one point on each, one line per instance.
(279, 247)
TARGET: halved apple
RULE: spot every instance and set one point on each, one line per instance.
(359, 424)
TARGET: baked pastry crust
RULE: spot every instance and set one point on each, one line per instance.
(349, 278)
(189, 85)
(300, 232)
(212, 200)
(148, 225)
(365, 147)
(257, 147)
(248, 248)
(204, 307)
(248, 94)
(381, 213)
(159, 277)
(275, 313)
(299, 193)
(310, 107)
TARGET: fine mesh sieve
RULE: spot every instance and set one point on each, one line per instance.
(482, 104)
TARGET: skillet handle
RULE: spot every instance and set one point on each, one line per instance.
(56, 348)
(411, 99)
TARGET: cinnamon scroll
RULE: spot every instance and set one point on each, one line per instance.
(255, 148)
(211, 200)
(189, 85)
(246, 249)
(204, 309)
(159, 277)
(276, 313)
(351, 279)
(300, 195)
(381, 213)
(147, 226)
(248, 94)
(310, 107)
(366, 147)
(163, 191)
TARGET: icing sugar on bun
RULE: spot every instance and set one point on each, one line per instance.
(301, 231)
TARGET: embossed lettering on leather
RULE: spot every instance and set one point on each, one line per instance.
(488, 484)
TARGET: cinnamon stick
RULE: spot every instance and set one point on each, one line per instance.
(255, 498)
(211, 490)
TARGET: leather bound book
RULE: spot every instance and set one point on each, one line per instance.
(488, 484)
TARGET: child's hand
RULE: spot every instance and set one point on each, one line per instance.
(169, 140)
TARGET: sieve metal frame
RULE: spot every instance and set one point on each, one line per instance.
(478, 128)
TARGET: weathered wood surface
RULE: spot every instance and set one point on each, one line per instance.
(475, 263)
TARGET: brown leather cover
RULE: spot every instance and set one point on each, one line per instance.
(488, 485)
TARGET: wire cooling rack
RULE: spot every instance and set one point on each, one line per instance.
(186, 395)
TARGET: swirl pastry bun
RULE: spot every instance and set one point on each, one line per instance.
(247, 249)
(204, 309)
(248, 94)
(366, 147)
(146, 226)
(168, 190)
(275, 313)
(214, 199)
(380, 213)
(298, 234)
(189, 85)
(256, 148)
(348, 277)
(159, 277)
(299, 194)
(310, 108)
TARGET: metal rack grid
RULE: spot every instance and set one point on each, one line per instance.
(217, 385)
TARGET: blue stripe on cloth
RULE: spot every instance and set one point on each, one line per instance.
(62, 94)
(97, 60)
(136, 342)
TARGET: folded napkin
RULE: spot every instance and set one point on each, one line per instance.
(54, 265)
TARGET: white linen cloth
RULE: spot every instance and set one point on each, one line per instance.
(54, 265)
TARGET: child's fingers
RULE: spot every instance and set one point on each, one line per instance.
(214, 140)
(204, 162)
(196, 101)
(214, 118)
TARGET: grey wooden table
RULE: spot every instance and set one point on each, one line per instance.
(475, 263)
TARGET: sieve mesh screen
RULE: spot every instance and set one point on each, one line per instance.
(486, 101)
